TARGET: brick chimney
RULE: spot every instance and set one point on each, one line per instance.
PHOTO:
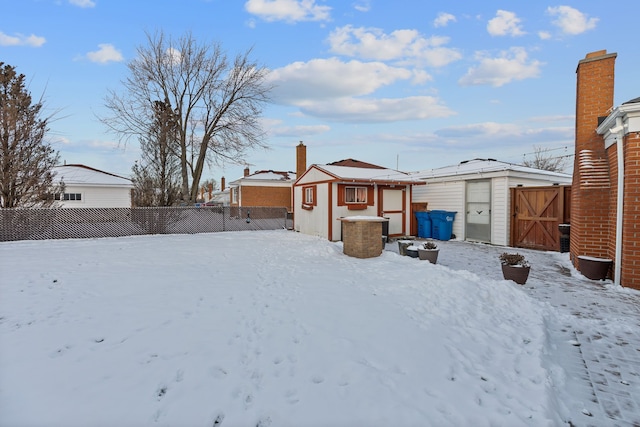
(301, 159)
(591, 207)
(222, 183)
(246, 171)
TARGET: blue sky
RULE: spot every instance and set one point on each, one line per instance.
(407, 84)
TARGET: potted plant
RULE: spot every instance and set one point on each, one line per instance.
(428, 251)
(515, 267)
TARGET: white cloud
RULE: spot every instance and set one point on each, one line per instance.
(82, 3)
(501, 134)
(334, 90)
(360, 110)
(288, 10)
(570, 20)
(505, 23)
(331, 78)
(297, 131)
(362, 5)
(407, 45)
(511, 65)
(443, 19)
(544, 35)
(21, 40)
(106, 53)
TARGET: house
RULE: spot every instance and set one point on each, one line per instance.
(606, 195)
(479, 191)
(323, 194)
(265, 188)
(86, 187)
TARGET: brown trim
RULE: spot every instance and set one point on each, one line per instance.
(356, 206)
(370, 195)
(330, 211)
(314, 195)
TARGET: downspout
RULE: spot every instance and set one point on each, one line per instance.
(619, 131)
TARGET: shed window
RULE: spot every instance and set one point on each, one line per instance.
(309, 195)
(355, 194)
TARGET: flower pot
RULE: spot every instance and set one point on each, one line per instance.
(412, 252)
(430, 255)
(594, 268)
(403, 245)
(517, 273)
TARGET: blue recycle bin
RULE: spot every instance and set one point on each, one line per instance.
(424, 224)
(442, 224)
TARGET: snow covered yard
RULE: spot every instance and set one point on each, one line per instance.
(262, 328)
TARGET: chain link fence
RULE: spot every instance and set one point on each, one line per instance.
(41, 224)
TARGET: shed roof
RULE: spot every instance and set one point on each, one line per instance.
(78, 174)
(366, 174)
(477, 166)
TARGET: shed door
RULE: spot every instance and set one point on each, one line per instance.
(392, 207)
(478, 220)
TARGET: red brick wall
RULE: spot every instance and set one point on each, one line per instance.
(630, 273)
(591, 207)
(266, 196)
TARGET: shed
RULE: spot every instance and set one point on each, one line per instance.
(479, 192)
(86, 187)
(324, 194)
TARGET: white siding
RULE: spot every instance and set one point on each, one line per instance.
(447, 196)
(500, 211)
(313, 222)
(98, 197)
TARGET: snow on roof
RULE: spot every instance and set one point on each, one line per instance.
(476, 166)
(272, 175)
(84, 175)
(359, 173)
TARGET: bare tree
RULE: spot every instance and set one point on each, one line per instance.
(26, 160)
(156, 178)
(217, 102)
(543, 159)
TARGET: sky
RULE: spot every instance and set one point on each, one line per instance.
(405, 84)
(173, 330)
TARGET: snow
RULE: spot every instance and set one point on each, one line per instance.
(262, 328)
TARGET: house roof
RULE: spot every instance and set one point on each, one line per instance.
(267, 175)
(272, 175)
(85, 175)
(356, 164)
(479, 166)
(632, 101)
(362, 174)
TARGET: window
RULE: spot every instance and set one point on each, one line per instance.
(69, 196)
(234, 195)
(308, 195)
(355, 194)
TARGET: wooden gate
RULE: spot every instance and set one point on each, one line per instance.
(536, 213)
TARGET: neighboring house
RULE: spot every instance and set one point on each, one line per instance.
(265, 188)
(606, 192)
(479, 192)
(86, 187)
(325, 193)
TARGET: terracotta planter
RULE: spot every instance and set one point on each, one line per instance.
(517, 273)
(430, 255)
(594, 268)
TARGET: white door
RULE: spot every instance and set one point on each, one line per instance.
(392, 207)
(478, 212)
